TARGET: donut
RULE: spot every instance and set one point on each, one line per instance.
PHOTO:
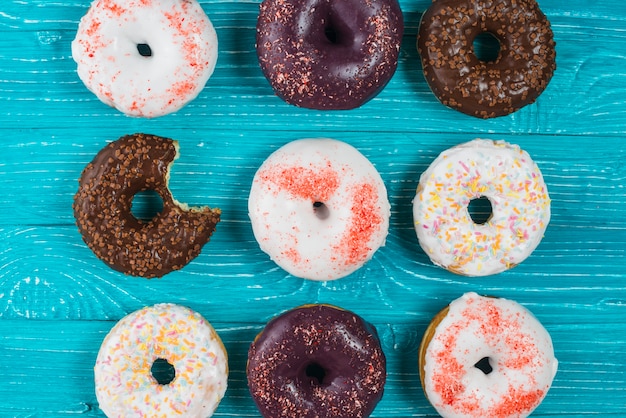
(328, 54)
(319, 208)
(103, 203)
(125, 372)
(145, 58)
(485, 89)
(486, 357)
(316, 361)
(512, 183)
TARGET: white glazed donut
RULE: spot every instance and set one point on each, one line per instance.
(178, 47)
(125, 386)
(512, 182)
(319, 208)
(486, 357)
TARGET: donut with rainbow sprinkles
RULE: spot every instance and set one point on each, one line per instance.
(130, 373)
(520, 208)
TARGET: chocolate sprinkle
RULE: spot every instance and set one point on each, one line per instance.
(522, 71)
(316, 361)
(102, 208)
(328, 54)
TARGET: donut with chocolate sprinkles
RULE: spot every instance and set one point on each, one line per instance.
(486, 87)
(102, 208)
(316, 361)
(328, 54)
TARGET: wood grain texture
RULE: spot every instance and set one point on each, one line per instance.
(57, 301)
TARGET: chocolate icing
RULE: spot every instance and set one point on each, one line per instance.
(520, 73)
(102, 208)
(316, 361)
(328, 54)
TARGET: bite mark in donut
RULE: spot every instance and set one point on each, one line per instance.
(520, 73)
(102, 208)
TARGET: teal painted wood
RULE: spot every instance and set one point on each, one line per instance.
(57, 301)
(61, 354)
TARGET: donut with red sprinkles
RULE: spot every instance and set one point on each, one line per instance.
(319, 208)
(486, 357)
(146, 58)
(328, 54)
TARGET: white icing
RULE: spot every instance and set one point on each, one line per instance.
(124, 383)
(184, 53)
(520, 352)
(324, 244)
(512, 182)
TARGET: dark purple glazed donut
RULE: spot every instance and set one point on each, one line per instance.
(486, 89)
(328, 54)
(316, 361)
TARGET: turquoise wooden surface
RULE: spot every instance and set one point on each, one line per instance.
(57, 301)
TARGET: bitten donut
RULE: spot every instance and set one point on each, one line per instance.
(486, 357)
(145, 58)
(319, 208)
(521, 72)
(328, 54)
(498, 171)
(126, 385)
(102, 208)
(316, 361)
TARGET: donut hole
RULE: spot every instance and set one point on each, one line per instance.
(487, 47)
(146, 205)
(316, 373)
(162, 371)
(144, 50)
(331, 34)
(480, 210)
(484, 365)
(335, 30)
(321, 210)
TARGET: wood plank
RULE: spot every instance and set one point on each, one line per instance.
(57, 301)
(47, 273)
(39, 83)
(40, 170)
(55, 361)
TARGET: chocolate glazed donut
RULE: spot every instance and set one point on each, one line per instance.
(102, 208)
(316, 361)
(486, 89)
(328, 54)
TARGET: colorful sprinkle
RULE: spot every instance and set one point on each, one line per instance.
(124, 382)
(511, 181)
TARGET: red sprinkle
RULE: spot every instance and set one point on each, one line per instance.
(495, 325)
(316, 185)
(364, 222)
(182, 88)
(116, 9)
(517, 400)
